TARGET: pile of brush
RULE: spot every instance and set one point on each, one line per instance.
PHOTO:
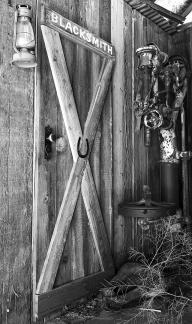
(160, 283)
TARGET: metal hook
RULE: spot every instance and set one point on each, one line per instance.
(78, 148)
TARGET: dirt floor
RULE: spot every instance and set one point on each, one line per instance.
(93, 312)
(126, 316)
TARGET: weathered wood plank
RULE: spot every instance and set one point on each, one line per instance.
(36, 175)
(70, 292)
(117, 38)
(63, 87)
(106, 172)
(96, 222)
(129, 120)
(61, 229)
(16, 145)
(181, 45)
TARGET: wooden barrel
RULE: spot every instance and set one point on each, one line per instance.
(142, 221)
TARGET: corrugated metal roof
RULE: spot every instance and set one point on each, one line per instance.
(169, 15)
(164, 18)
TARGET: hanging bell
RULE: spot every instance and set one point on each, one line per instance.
(23, 39)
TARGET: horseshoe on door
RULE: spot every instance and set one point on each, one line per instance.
(78, 148)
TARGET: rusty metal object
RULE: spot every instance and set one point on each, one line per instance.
(153, 119)
(82, 155)
(150, 61)
(168, 146)
(151, 56)
(170, 191)
(147, 137)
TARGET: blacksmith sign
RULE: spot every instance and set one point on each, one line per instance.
(76, 33)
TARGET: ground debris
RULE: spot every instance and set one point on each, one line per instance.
(83, 311)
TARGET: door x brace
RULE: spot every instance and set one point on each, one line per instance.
(81, 175)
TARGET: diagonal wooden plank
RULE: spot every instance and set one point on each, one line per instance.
(61, 229)
(96, 221)
(61, 78)
(63, 87)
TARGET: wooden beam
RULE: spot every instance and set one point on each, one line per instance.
(184, 27)
(187, 10)
(68, 293)
(118, 91)
(105, 169)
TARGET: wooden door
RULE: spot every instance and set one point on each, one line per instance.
(71, 249)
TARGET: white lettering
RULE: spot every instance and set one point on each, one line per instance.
(68, 26)
(75, 30)
(54, 18)
(89, 37)
(104, 45)
(61, 22)
(82, 33)
(110, 50)
(95, 41)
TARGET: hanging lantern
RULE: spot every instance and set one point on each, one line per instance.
(150, 56)
(145, 55)
(23, 39)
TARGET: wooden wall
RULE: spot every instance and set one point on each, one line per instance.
(16, 149)
(182, 45)
(134, 165)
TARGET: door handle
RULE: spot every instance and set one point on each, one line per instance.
(50, 138)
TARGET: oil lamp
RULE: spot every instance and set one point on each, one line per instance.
(23, 38)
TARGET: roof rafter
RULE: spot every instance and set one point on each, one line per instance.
(187, 10)
(162, 11)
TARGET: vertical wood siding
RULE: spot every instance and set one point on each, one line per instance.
(182, 45)
(114, 21)
(134, 165)
(16, 147)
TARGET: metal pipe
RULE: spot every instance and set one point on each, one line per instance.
(169, 167)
